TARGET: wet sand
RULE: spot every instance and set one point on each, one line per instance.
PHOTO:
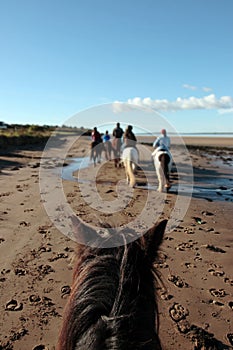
(209, 141)
(195, 303)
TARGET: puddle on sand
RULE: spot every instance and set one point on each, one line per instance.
(218, 190)
(76, 164)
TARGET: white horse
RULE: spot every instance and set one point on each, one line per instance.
(163, 162)
(130, 160)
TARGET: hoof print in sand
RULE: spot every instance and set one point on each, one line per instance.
(207, 213)
(40, 347)
(43, 229)
(161, 261)
(164, 295)
(217, 273)
(20, 271)
(228, 281)
(189, 231)
(44, 270)
(183, 326)
(24, 223)
(219, 293)
(178, 312)
(185, 246)
(177, 281)
(34, 299)
(198, 258)
(199, 221)
(13, 305)
(65, 290)
(189, 265)
(58, 256)
(216, 302)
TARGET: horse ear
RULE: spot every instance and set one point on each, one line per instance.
(153, 239)
(83, 233)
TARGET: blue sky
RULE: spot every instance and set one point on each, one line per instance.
(60, 57)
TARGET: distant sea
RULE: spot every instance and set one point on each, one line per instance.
(215, 134)
(194, 134)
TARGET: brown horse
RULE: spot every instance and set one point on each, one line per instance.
(96, 150)
(116, 147)
(113, 300)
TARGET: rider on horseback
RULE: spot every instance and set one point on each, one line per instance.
(96, 139)
(116, 143)
(95, 136)
(129, 137)
(162, 158)
(162, 140)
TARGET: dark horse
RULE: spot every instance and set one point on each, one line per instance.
(96, 151)
(113, 300)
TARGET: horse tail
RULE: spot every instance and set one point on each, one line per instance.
(130, 172)
(164, 159)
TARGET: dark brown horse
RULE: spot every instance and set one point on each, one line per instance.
(96, 150)
(113, 300)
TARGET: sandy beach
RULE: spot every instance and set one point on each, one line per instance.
(196, 300)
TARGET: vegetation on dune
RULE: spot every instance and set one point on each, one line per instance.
(17, 135)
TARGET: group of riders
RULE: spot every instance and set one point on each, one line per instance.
(122, 139)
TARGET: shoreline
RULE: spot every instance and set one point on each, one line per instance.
(208, 141)
(196, 141)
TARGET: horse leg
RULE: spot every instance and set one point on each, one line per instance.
(166, 172)
(163, 172)
(160, 176)
(98, 155)
(116, 159)
(106, 151)
(91, 154)
(94, 158)
(94, 155)
(127, 176)
(109, 150)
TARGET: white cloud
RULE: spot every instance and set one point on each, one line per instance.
(189, 87)
(192, 87)
(191, 103)
(226, 111)
(207, 89)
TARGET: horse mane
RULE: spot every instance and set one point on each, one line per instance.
(113, 301)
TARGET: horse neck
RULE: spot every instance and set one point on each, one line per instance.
(112, 305)
(95, 281)
(132, 321)
(136, 298)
